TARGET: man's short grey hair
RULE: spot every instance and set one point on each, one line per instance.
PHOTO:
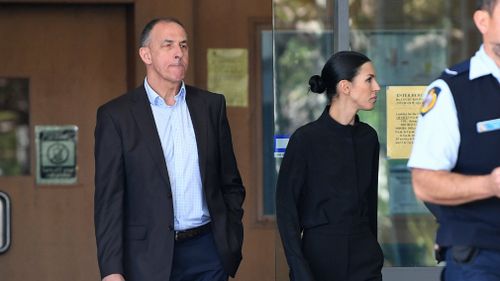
(145, 34)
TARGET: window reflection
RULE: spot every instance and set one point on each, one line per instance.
(14, 126)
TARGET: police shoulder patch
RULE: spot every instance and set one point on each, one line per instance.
(429, 100)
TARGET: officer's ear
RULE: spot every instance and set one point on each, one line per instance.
(482, 20)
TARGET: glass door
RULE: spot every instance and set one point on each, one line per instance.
(410, 42)
(302, 40)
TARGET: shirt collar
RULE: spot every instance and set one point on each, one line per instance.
(481, 65)
(326, 119)
(156, 99)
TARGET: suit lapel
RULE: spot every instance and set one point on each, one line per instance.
(143, 114)
(198, 112)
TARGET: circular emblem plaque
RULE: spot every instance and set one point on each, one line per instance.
(57, 153)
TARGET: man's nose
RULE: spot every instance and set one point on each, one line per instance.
(178, 54)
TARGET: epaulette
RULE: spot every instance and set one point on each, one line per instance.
(456, 69)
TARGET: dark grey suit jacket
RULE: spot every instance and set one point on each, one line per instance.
(133, 210)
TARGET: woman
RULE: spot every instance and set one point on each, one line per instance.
(326, 196)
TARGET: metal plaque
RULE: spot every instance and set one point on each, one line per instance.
(56, 154)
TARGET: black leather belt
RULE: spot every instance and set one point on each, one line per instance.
(186, 234)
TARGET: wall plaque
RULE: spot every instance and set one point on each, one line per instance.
(56, 154)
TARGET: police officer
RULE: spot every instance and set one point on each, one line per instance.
(455, 159)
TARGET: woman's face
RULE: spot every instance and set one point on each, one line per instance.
(364, 87)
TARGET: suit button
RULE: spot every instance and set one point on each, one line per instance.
(171, 227)
(169, 195)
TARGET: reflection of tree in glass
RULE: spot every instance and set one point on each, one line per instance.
(397, 14)
(298, 56)
(14, 124)
(300, 50)
(297, 14)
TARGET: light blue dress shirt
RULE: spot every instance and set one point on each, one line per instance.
(178, 142)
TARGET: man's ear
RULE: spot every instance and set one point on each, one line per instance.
(145, 54)
(482, 20)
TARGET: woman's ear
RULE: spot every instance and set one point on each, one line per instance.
(345, 87)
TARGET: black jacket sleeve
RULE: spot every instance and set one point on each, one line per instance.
(109, 194)
(373, 193)
(291, 181)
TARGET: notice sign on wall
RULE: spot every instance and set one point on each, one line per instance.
(228, 74)
(403, 107)
(56, 154)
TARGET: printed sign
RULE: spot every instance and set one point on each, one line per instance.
(56, 154)
(280, 143)
(228, 74)
(403, 107)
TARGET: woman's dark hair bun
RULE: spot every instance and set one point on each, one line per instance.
(316, 84)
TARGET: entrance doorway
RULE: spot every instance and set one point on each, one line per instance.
(74, 58)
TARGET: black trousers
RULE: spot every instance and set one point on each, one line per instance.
(341, 257)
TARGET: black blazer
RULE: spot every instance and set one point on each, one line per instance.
(133, 210)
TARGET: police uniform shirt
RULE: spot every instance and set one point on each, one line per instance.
(437, 136)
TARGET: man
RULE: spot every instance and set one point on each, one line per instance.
(456, 156)
(168, 194)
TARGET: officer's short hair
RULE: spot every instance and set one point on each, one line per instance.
(487, 5)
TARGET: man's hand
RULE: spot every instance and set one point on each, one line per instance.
(114, 277)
